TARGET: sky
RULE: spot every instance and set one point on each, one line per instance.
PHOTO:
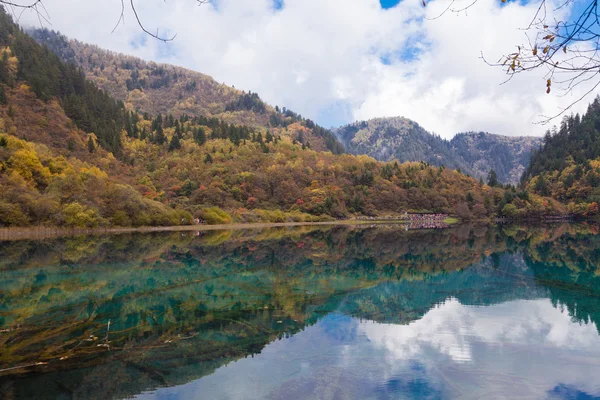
(337, 61)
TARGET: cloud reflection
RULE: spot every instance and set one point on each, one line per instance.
(523, 348)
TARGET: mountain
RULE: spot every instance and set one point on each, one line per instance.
(72, 155)
(507, 155)
(152, 88)
(567, 166)
(59, 139)
(401, 139)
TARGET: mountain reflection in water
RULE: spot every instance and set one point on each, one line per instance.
(336, 312)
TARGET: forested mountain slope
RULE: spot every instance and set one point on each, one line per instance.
(71, 155)
(476, 154)
(482, 152)
(59, 136)
(567, 166)
(152, 88)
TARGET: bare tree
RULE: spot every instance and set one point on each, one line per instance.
(567, 51)
(37, 6)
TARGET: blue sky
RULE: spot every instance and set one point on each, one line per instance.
(388, 3)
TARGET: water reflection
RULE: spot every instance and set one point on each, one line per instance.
(455, 351)
(303, 313)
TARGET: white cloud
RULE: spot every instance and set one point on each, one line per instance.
(517, 349)
(322, 58)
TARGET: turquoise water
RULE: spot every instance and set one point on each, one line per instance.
(304, 313)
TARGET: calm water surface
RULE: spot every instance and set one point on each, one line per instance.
(304, 313)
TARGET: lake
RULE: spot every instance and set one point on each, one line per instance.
(336, 312)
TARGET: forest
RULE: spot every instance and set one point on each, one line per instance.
(71, 155)
(567, 166)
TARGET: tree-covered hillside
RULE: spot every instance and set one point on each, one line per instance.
(567, 166)
(401, 139)
(152, 88)
(72, 156)
(23, 60)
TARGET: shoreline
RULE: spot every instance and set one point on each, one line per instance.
(50, 232)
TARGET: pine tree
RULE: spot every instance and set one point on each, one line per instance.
(160, 137)
(175, 143)
(3, 99)
(91, 145)
(200, 136)
(177, 129)
(492, 178)
(208, 159)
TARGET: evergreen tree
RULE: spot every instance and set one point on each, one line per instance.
(175, 143)
(91, 145)
(492, 178)
(541, 187)
(159, 137)
(91, 109)
(208, 158)
(200, 136)
(3, 99)
(177, 129)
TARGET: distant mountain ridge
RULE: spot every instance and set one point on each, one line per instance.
(474, 153)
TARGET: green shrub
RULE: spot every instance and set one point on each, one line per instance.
(215, 216)
(120, 218)
(182, 217)
(76, 215)
(11, 215)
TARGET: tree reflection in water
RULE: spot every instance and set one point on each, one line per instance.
(113, 316)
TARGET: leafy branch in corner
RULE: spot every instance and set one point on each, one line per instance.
(568, 51)
(37, 4)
